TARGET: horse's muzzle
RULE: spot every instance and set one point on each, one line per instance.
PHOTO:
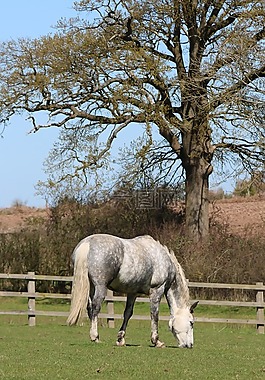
(186, 346)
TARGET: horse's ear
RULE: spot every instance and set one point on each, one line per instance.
(193, 306)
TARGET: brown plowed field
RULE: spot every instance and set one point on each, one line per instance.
(240, 215)
(14, 218)
(244, 216)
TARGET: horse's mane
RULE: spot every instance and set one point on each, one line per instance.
(180, 284)
(181, 281)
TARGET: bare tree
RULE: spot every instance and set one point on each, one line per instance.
(190, 69)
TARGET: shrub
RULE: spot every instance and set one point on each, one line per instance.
(46, 247)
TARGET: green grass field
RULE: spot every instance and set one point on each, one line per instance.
(52, 350)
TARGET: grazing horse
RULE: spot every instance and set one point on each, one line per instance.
(132, 266)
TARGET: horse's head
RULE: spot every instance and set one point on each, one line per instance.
(181, 325)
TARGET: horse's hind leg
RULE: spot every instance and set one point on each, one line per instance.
(93, 308)
(155, 298)
(126, 316)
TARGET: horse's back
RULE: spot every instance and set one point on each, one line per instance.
(122, 264)
(127, 264)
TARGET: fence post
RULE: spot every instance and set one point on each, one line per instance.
(110, 309)
(260, 310)
(31, 300)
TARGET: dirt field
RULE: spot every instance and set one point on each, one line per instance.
(244, 216)
(14, 218)
(241, 215)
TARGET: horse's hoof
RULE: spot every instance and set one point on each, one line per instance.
(160, 344)
(120, 342)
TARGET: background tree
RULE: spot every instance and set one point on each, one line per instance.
(252, 186)
(190, 70)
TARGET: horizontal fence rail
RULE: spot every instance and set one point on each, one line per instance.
(32, 295)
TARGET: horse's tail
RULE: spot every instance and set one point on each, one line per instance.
(81, 285)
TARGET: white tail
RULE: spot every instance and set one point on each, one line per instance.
(81, 285)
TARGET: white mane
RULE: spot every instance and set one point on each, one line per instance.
(181, 280)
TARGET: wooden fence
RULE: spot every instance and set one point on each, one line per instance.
(32, 295)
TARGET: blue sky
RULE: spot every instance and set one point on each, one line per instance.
(22, 154)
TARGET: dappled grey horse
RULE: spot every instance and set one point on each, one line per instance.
(131, 266)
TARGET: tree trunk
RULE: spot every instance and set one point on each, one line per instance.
(197, 203)
(196, 158)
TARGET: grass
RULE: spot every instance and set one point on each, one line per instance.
(51, 350)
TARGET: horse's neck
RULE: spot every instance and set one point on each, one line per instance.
(178, 294)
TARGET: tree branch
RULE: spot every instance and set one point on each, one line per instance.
(213, 25)
(174, 46)
(220, 62)
(236, 87)
(242, 147)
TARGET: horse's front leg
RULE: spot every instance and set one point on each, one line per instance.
(128, 312)
(155, 298)
(93, 309)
